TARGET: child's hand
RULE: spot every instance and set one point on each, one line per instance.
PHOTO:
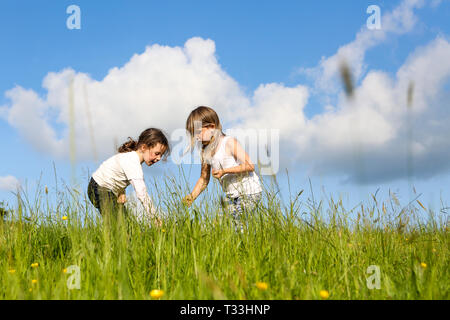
(121, 198)
(188, 200)
(217, 173)
(157, 222)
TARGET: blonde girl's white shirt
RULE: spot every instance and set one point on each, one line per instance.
(233, 184)
(117, 172)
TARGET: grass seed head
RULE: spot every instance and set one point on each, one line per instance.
(346, 77)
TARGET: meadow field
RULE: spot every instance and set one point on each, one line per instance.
(294, 247)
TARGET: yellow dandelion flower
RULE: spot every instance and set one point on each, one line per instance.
(262, 285)
(324, 294)
(34, 281)
(34, 265)
(65, 218)
(163, 230)
(156, 293)
(12, 271)
(64, 270)
(423, 265)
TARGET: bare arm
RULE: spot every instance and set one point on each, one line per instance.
(236, 150)
(201, 184)
(141, 193)
(121, 198)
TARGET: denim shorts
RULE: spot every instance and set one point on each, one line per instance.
(102, 198)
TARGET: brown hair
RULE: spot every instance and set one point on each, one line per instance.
(150, 137)
(202, 117)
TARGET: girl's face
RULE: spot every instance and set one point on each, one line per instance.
(205, 134)
(154, 154)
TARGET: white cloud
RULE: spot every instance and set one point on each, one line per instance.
(29, 115)
(378, 132)
(400, 21)
(157, 88)
(370, 139)
(9, 183)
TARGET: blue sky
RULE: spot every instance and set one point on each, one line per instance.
(255, 43)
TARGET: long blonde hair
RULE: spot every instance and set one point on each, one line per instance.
(199, 118)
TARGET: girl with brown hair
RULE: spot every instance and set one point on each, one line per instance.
(106, 188)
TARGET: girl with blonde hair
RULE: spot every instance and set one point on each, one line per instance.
(224, 158)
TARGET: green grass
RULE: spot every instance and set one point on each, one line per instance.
(298, 249)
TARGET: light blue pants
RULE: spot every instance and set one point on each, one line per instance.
(237, 206)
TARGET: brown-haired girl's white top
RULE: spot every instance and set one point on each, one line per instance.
(106, 189)
(121, 170)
